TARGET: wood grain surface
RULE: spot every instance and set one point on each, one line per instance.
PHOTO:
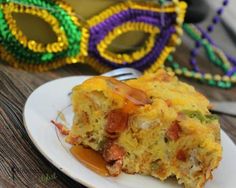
(21, 164)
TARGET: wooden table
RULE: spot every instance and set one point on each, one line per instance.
(21, 164)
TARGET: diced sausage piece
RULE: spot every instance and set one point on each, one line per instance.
(117, 121)
(113, 152)
(136, 96)
(181, 155)
(115, 169)
(113, 155)
(62, 129)
(173, 133)
(112, 136)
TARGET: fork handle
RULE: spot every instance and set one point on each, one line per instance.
(226, 108)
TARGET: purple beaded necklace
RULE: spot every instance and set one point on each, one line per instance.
(206, 35)
(99, 31)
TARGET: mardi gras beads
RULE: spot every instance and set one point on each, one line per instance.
(214, 54)
(136, 16)
(85, 41)
(32, 55)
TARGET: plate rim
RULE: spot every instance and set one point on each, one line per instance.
(84, 183)
(50, 159)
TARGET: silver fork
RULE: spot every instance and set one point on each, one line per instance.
(225, 108)
(122, 74)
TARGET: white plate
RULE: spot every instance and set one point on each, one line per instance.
(43, 105)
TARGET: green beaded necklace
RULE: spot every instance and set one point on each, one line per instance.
(214, 54)
(70, 28)
(224, 82)
(212, 80)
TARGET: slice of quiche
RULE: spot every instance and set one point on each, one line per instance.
(155, 125)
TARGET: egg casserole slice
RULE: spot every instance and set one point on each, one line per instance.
(155, 125)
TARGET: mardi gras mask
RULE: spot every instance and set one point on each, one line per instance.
(88, 41)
